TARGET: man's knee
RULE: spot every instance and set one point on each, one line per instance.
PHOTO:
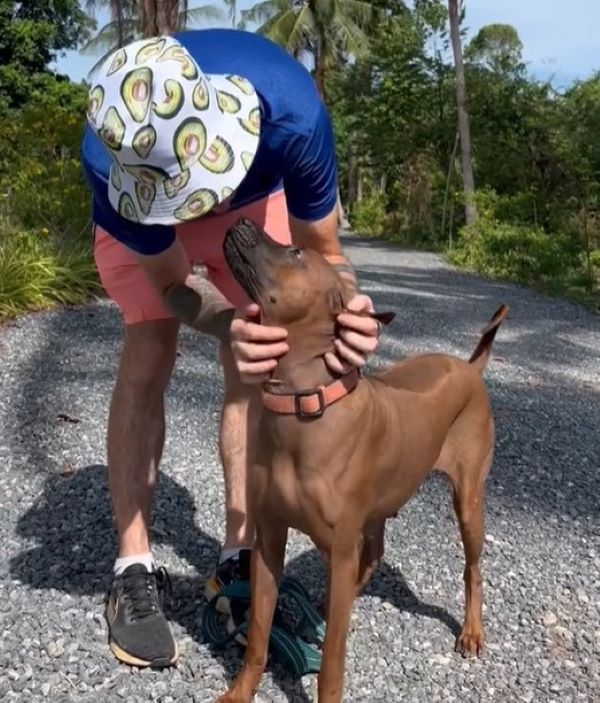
(148, 355)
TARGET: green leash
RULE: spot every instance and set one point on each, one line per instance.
(287, 645)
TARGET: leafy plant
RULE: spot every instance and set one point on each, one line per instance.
(516, 253)
(368, 215)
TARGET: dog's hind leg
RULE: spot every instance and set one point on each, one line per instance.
(371, 553)
(469, 505)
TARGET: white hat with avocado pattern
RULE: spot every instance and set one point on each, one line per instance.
(181, 141)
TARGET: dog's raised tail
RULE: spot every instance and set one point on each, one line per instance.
(482, 353)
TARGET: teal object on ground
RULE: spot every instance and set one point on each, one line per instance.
(287, 645)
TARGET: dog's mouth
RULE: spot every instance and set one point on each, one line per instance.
(240, 250)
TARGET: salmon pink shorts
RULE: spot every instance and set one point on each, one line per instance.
(126, 283)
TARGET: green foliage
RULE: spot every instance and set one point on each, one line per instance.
(496, 47)
(516, 253)
(45, 238)
(368, 216)
(329, 30)
(131, 19)
(31, 36)
(39, 270)
(40, 172)
(535, 152)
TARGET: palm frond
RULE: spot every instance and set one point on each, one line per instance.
(361, 13)
(347, 36)
(302, 31)
(108, 37)
(204, 13)
(264, 11)
(277, 28)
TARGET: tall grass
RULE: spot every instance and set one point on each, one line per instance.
(38, 272)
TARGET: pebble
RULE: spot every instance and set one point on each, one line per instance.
(55, 649)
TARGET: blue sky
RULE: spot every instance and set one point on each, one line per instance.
(560, 39)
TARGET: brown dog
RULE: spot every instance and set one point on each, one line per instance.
(337, 457)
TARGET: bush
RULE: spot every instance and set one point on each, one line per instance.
(368, 215)
(38, 271)
(45, 236)
(516, 253)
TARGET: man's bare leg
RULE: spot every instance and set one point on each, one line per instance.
(139, 632)
(136, 428)
(237, 437)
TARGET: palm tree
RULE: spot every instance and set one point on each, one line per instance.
(231, 6)
(329, 30)
(136, 19)
(463, 113)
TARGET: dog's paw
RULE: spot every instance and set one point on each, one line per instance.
(470, 642)
(230, 697)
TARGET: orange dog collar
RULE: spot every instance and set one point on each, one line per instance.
(310, 403)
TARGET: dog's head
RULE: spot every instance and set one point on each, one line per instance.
(291, 285)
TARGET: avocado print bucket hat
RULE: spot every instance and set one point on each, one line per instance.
(181, 141)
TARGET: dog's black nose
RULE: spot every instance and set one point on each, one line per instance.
(246, 232)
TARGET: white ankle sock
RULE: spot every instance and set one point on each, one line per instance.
(228, 553)
(123, 562)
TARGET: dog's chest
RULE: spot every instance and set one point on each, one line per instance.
(299, 496)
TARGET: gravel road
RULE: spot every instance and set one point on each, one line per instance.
(542, 549)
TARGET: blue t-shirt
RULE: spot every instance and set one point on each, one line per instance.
(296, 148)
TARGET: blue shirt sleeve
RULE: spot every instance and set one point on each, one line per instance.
(143, 239)
(310, 171)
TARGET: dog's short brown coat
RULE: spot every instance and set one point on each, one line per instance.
(338, 478)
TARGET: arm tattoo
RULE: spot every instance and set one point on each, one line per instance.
(200, 305)
(347, 273)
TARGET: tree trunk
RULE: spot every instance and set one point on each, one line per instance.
(319, 72)
(119, 19)
(451, 164)
(158, 17)
(352, 178)
(463, 115)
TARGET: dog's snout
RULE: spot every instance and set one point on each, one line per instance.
(246, 233)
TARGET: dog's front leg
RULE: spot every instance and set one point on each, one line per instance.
(343, 574)
(265, 571)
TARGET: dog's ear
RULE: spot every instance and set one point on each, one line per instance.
(384, 317)
(337, 305)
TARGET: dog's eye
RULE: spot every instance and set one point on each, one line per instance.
(296, 253)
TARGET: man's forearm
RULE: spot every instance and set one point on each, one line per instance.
(189, 295)
(199, 304)
(346, 271)
(322, 236)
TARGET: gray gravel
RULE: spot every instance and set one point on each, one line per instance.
(542, 552)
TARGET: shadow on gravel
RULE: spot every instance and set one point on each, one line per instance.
(457, 313)
(75, 545)
(387, 584)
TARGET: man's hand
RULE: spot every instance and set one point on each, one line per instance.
(255, 347)
(358, 337)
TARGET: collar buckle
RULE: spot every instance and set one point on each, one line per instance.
(307, 414)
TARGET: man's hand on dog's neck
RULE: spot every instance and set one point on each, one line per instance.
(359, 335)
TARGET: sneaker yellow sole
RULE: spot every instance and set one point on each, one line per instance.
(211, 589)
(127, 658)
